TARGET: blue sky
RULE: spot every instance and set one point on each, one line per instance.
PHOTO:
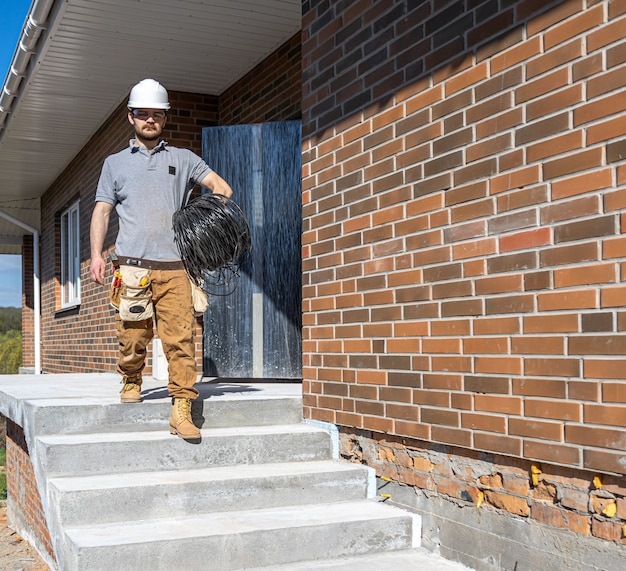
(11, 24)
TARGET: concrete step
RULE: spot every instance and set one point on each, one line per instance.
(147, 495)
(240, 540)
(69, 416)
(113, 452)
(405, 560)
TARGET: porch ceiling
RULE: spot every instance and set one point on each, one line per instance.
(86, 55)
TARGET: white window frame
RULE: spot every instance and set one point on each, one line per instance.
(70, 256)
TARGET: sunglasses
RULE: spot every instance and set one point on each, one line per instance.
(143, 115)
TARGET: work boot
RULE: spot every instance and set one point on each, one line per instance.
(131, 391)
(180, 421)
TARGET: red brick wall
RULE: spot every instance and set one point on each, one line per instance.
(270, 92)
(22, 487)
(464, 200)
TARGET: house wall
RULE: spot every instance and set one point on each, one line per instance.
(464, 201)
(83, 339)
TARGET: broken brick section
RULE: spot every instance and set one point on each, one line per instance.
(580, 501)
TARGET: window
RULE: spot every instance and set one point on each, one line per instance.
(70, 257)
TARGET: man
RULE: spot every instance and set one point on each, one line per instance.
(146, 183)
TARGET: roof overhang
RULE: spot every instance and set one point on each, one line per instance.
(77, 60)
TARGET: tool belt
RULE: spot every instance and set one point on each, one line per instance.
(151, 264)
(131, 293)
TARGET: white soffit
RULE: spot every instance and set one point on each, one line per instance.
(90, 54)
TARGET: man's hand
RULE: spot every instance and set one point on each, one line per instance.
(97, 270)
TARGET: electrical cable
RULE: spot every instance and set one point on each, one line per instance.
(213, 239)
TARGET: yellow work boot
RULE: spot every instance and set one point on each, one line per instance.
(131, 391)
(180, 421)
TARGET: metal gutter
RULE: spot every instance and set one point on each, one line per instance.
(36, 23)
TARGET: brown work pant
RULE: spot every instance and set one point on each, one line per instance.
(175, 323)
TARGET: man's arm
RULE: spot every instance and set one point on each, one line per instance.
(217, 184)
(97, 234)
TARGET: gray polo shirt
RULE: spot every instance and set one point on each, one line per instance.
(146, 189)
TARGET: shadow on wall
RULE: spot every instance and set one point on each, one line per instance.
(388, 50)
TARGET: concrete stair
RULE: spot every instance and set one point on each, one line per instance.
(261, 489)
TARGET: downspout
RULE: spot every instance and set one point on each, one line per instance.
(36, 286)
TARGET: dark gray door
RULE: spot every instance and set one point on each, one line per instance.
(255, 331)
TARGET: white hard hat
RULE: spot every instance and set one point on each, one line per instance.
(148, 94)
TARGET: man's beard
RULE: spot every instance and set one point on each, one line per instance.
(149, 136)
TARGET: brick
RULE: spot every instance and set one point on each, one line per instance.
(553, 409)
(557, 145)
(605, 83)
(552, 452)
(570, 254)
(560, 323)
(496, 443)
(554, 58)
(610, 129)
(454, 436)
(537, 280)
(513, 221)
(576, 162)
(575, 26)
(493, 125)
(544, 84)
(584, 390)
(512, 262)
(584, 275)
(487, 385)
(487, 423)
(607, 530)
(582, 183)
(540, 387)
(496, 325)
(536, 429)
(520, 53)
(604, 461)
(526, 240)
(615, 200)
(461, 308)
(612, 296)
(567, 300)
(599, 109)
(498, 404)
(466, 193)
(597, 345)
(440, 416)
(510, 304)
(590, 228)
(519, 199)
(542, 129)
(587, 67)
(443, 381)
(571, 209)
(596, 437)
(552, 367)
(611, 415)
(611, 392)
(465, 231)
(485, 148)
(529, 345)
(596, 322)
(559, 517)
(476, 170)
(516, 179)
(450, 327)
